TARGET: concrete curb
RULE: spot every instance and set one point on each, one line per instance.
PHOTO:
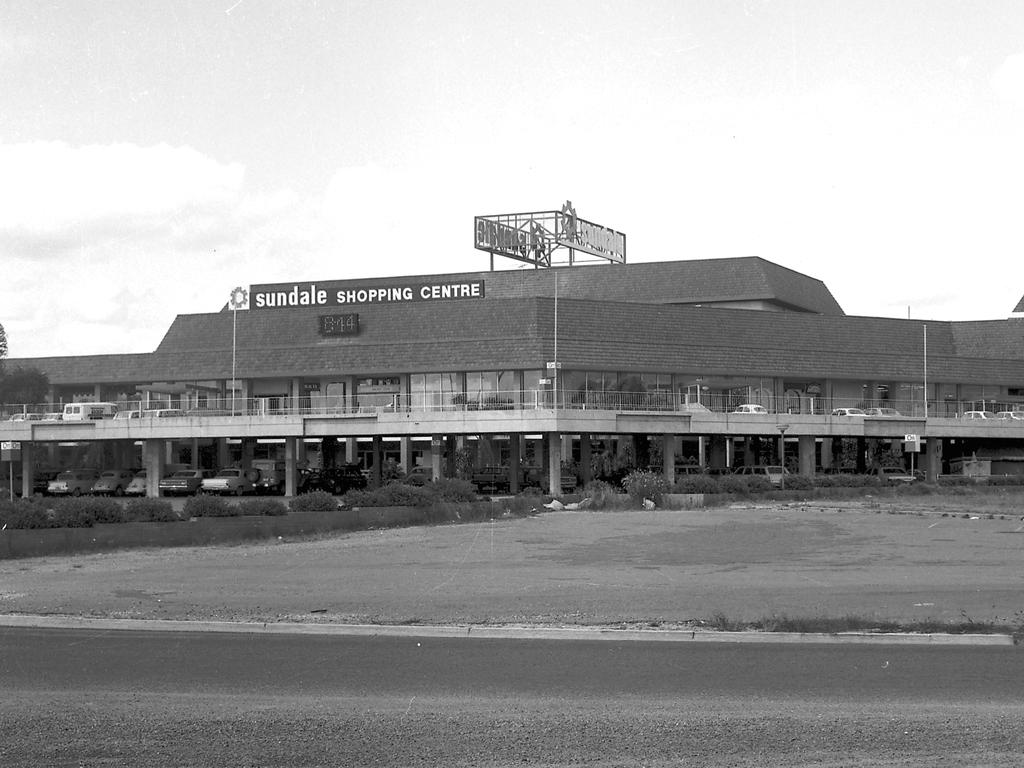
(477, 631)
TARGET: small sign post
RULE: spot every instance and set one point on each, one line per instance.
(10, 451)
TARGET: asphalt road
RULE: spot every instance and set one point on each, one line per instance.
(101, 698)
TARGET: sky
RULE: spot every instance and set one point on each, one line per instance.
(153, 156)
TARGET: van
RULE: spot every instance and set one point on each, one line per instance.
(89, 411)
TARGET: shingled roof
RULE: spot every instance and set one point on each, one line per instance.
(518, 333)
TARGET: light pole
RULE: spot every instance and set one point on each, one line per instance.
(782, 454)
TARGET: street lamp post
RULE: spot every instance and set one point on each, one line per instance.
(782, 454)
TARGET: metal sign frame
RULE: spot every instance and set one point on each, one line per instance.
(538, 237)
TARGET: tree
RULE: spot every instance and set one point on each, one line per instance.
(24, 385)
(3, 348)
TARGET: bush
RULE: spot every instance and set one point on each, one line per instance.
(209, 506)
(97, 508)
(452, 489)
(314, 501)
(697, 484)
(150, 511)
(799, 483)
(28, 513)
(642, 484)
(602, 495)
(265, 507)
(391, 495)
(733, 484)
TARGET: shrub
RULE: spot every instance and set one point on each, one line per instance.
(209, 506)
(98, 508)
(733, 484)
(956, 480)
(265, 507)
(28, 513)
(150, 511)
(451, 489)
(799, 483)
(314, 501)
(642, 484)
(602, 495)
(697, 484)
(391, 495)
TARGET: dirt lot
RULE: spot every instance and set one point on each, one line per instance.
(901, 559)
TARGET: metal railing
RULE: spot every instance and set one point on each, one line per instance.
(531, 400)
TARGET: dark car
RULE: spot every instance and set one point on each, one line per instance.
(185, 482)
(336, 480)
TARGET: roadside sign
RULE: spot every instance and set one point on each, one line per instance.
(912, 443)
(10, 450)
(910, 438)
(554, 366)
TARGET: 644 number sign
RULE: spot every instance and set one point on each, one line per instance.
(339, 325)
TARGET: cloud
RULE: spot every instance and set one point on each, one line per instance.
(58, 192)
(1008, 79)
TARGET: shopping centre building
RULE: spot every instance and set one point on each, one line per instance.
(558, 365)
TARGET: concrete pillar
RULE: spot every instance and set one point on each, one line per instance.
(719, 452)
(668, 457)
(749, 454)
(436, 456)
(933, 459)
(807, 455)
(248, 449)
(375, 475)
(291, 475)
(153, 460)
(554, 451)
(586, 456)
(194, 464)
(405, 452)
(351, 452)
(27, 468)
(514, 469)
(223, 453)
(826, 453)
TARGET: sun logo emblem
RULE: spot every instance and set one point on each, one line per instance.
(239, 298)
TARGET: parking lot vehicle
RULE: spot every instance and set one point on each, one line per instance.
(121, 415)
(112, 482)
(338, 480)
(184, 482)
(26, 417)
(978, 415)
(231, 481)
(87, 411)
(53, 416)
(848, 412)
(895, 475)
(271, 478)
(750, 408)
(1011, 415)
(137, 487)
(419, 475)
(772, 472)
(888, 413)
(73, 482)
(163, 413)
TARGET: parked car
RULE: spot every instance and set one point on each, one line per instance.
(419, 475)
(231, 481)
(122, 415)
(978, 415)
(184, 482)
(163, 413)
(112, 482)
(137, 487)
(895, 475)
(1011, 415)
(52, 416)
(89, 411)
(750, 408)
(772, 472)
(338, 480)
(73, 482)
(26, 417)
(848, 412)
(888, 413)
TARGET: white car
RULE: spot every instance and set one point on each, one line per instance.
(978, 415)
(848, 412)
(887, 413)
(1011, 415)
(751, 408)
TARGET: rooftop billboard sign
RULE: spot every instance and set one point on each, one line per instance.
(536, 237)
(340, 294)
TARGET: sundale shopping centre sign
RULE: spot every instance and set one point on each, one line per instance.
(535, 237)
(344, 295)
